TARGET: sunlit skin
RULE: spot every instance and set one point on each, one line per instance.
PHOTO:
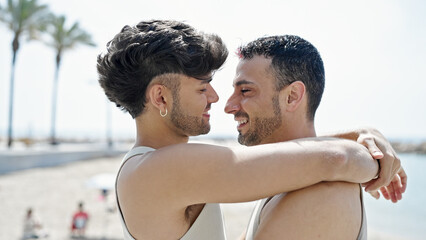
(253, 101)
(267, 115)
(195, 98)
(162, 191)
(255, 98)
(189, 112)
(175, 168)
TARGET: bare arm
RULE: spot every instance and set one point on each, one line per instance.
(197, 173)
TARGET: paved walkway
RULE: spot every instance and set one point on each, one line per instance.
(20, 157)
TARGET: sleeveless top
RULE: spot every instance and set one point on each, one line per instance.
(255, 219)
(209, 224)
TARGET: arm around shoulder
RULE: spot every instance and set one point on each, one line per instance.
(200, 173)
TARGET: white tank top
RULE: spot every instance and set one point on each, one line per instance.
(209, 224)
(255, 219)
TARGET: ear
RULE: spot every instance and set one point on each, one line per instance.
(295, 94)
(158, 97)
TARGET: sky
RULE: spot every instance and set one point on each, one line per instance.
(373, 52)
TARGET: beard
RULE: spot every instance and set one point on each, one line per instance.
(260, 127)
(190, 125)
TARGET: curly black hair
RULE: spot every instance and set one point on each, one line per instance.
(138, 54)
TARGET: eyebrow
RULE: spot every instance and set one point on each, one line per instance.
(242, 82)
(204, 81)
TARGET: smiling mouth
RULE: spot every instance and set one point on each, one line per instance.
(242, 123)
(206, 114)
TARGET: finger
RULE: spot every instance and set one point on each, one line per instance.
(391, 191)
(385, 175)
(367, 183)
(385, 193)
(373, 149)
(403, 177)
(372, 185)
(396, 187)
(375, 194)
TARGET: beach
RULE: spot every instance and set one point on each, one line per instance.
(54, 192)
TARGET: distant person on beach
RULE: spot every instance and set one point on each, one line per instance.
(33, 229)
(160, 72)
(79, 221)
(278, 87)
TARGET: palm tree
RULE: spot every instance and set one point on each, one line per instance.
(62, 39)
(22, 17)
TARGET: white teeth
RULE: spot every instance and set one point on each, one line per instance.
(242, 122)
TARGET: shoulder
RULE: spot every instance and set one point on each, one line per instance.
(331, 210)
(176, 170)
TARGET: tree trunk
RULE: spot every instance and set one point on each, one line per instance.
(15, 47)
(108, 125)
(53, 140)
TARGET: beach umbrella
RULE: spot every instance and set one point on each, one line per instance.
(102, 181)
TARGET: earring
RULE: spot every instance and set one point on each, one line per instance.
(163, 115)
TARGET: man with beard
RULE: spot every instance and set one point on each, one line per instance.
(278, 87)
(160, 72)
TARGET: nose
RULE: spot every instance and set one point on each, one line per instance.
(232, 105)
(212, 97)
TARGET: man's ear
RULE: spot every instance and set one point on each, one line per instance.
(158, 97)
(295, 93)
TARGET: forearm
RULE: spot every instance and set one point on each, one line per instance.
(204, 173)
(352, 134)
(250, 173)
(291, 165)
(266, 170)
(342, 160)
(358, 167)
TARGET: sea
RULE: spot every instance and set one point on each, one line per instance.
(405, 219)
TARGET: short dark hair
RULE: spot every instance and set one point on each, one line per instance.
(138, 54)
(293, 59)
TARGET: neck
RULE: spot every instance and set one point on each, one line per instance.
(156, 135)
(305, 130)
(294, 130)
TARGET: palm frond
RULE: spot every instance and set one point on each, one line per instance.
(64, 38)
(24, 16)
